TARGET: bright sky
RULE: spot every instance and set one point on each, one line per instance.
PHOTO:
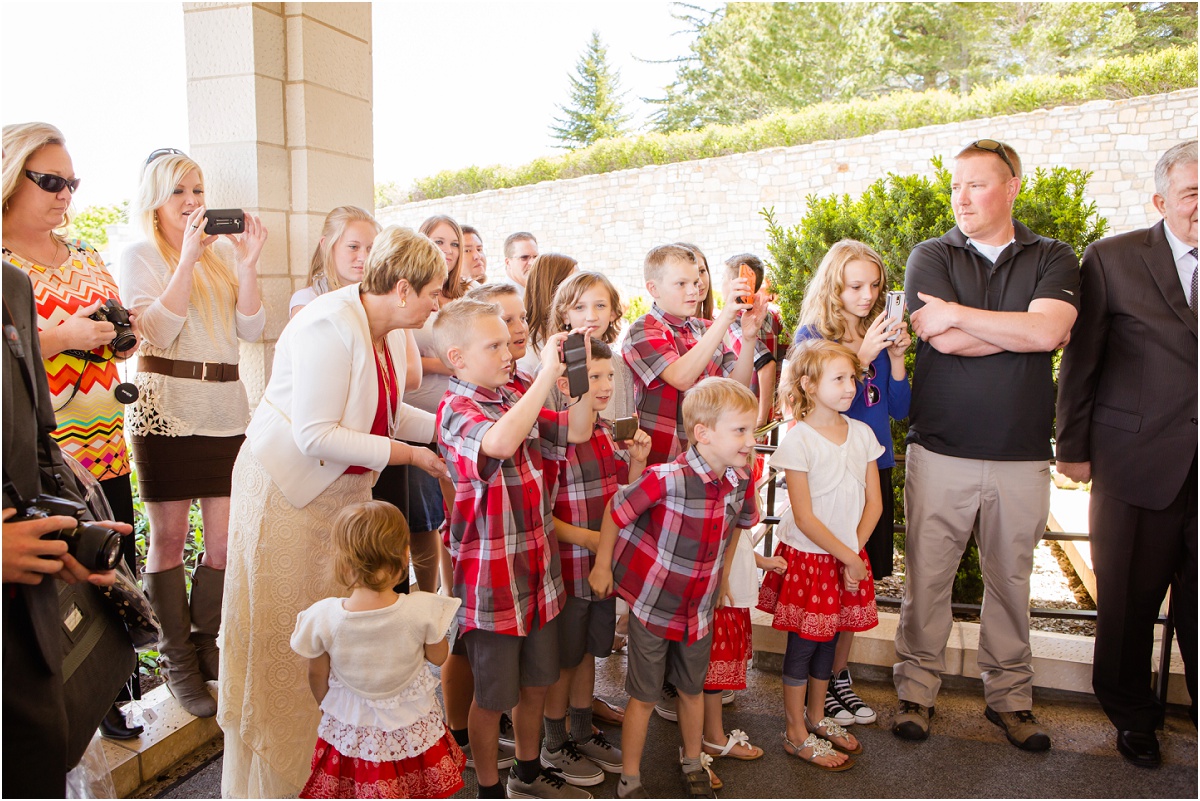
(489, 74)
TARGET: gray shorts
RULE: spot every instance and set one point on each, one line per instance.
(504, 663)
(651, 658)
(585, 627)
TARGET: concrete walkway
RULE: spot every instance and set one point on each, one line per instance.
(966, 756)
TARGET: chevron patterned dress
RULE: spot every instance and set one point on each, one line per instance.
(91, 424)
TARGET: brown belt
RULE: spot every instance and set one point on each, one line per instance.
(201, 371)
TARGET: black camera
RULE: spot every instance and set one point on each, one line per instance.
(95, 547)
(116, 314)
(574, 354)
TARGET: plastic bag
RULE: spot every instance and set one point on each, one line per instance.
(91, 778)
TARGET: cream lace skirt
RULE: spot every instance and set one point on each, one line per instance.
(279, 564)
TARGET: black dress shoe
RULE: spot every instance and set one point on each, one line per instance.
(1140, 748)
(114, 726)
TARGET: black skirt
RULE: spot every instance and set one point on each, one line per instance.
(184, 468)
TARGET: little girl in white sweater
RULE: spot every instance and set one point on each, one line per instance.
(381, 733)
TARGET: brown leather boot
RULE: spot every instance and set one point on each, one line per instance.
(177, 655)
(208, 588)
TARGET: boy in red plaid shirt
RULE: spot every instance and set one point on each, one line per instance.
(669, 349)
(587, 480)
(501, 451)
(665, 544)
(767, 357)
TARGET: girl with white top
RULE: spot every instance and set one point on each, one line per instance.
(194, 298)
(833, 485)
(381, 733)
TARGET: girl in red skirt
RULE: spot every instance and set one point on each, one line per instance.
(381, 733)
(833, 485)
(731, 650)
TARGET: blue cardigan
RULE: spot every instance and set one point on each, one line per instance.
(894, 398)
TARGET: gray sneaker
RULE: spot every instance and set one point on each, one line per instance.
(548, 784)
(600, 751)
(506, 756)
(575, 768)
(507, 737)
(667, 707)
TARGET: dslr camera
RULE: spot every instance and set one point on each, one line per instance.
(118, 315)
(95, 547)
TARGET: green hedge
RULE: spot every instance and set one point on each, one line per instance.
(1163, 71)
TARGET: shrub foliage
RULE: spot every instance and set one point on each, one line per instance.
(1119, 78)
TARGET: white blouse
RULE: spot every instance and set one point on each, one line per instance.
(181, 407)
(837, 480)
(382, 703)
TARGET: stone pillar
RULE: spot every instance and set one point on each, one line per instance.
(279, 117)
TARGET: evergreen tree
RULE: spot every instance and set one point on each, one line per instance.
(596, 109)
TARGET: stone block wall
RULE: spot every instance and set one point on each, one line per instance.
(279, 118)
(609, 221)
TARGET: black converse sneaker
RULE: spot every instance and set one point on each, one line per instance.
(839, 688)
(834, 709)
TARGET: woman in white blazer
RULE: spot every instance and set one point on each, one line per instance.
(330, 419)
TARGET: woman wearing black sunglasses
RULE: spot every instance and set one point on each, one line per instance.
(70, 282)
(196, 297)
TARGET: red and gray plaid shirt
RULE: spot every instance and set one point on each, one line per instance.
(590, 476)
(506, 564)
(676, 520)
(655, 341)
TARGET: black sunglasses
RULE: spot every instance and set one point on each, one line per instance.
(164, 151)
(52, 183)
(992, 146)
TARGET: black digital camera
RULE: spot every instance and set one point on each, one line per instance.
(95, 547)
(116, 314)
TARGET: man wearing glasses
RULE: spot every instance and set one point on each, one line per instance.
(991, 301)
(1127, 422)
(520, 249)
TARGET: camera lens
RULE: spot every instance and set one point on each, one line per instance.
(123, 341)
(95, 547)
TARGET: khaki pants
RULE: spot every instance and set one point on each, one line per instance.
(945, 499)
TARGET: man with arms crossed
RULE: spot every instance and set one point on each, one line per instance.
(1127, 423)
(991, 302)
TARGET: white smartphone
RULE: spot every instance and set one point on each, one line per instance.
(894, 311)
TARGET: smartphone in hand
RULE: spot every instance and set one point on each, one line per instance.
(745, 273)
(894, 311)
(574, 356)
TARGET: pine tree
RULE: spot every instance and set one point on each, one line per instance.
(596, 110)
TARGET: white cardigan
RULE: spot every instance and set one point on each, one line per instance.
(322, 399)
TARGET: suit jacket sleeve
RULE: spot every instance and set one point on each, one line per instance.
(1082, 362)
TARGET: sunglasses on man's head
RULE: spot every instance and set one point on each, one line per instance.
(52, 183)
(992, 146)
(164, 151)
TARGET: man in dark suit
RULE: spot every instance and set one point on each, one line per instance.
(36, 724)
(1127, 422)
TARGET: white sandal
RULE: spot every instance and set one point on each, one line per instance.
(732, 740)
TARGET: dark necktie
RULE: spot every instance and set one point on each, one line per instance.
(1192, 296)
